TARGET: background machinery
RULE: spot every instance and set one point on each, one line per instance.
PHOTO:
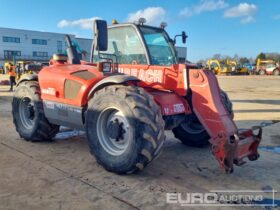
(21, 68)
(222, 67)
(2, 71)
(241, 69)
(247, 68)
(269, 67)
(132, 90)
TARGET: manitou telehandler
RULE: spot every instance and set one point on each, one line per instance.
(131, 91)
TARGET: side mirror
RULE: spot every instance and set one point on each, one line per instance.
(100, 35)
(184, 37)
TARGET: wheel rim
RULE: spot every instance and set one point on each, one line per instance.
(114, 131)
(27, 113)
(193, 127)
(262, 72)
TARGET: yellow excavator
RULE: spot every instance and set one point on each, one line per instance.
(241, 70)
(220, 67)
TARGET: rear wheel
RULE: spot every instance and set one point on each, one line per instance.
(192, 132)
(125, 129)
(28, 114)
(276, 72)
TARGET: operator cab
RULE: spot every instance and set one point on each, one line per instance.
(136, 43)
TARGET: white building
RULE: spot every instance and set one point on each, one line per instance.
(18, 44)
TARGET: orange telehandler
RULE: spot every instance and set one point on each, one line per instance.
(132, 90)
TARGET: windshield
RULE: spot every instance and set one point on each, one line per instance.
(159, 46)
(124, 46)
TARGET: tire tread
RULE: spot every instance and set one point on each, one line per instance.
(44, 130)
(148, 114)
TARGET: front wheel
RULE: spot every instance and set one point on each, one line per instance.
(125, 129)
(276, 72)
(192, 132)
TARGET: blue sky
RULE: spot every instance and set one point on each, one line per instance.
(214, 26)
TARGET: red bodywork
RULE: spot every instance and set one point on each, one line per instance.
(158, 80)
(54, 77)
(228, 144)
(168, 85)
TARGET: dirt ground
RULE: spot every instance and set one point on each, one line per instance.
(63, 175)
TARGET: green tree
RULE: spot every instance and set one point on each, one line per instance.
(243, 60)
(236, 57)
(273, 56)
(217, 56)
(261, 56)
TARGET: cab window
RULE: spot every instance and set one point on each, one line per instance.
(125, 46)
(159, 45)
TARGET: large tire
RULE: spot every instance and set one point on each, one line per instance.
(262, 72)
(124, 127)
(228, 104)
(276, 72)
(192, 132)
(28, 114)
